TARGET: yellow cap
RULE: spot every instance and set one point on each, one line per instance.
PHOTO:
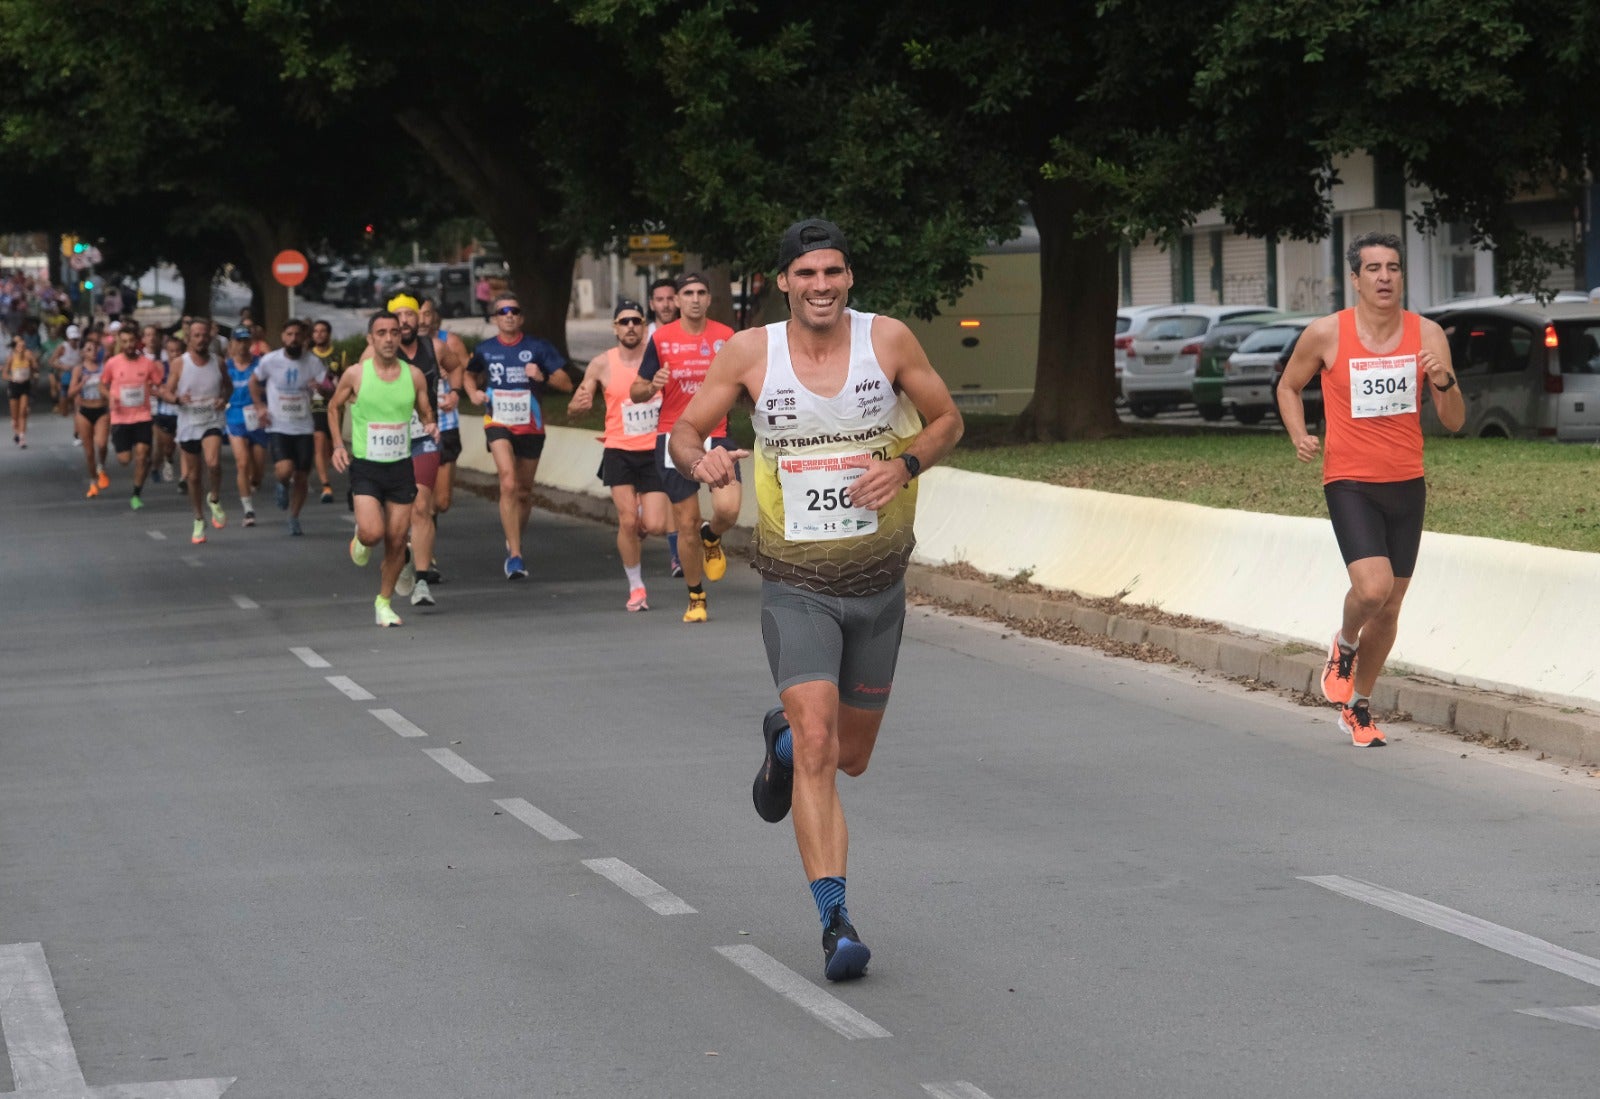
(402, 301)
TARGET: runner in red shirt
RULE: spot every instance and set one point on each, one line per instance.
(676, 359)
(130, 379)
(1378, 363)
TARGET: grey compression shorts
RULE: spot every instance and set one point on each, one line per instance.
(850, 641)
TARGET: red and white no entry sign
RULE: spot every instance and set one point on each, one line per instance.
(290, 268)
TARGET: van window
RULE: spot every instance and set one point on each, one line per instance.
(1271, 338)
(1475, 344)
(1515, 352)
(1580, 346)
(1175, 328)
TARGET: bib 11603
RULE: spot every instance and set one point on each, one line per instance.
(816, 498)
(1383, 386)
(388, 442)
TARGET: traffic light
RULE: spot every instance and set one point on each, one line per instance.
(369, 229)
(78, 246)
(88, 284)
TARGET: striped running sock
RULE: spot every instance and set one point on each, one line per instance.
(829, 895)
(783, 748)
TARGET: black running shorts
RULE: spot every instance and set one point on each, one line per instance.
(852, 641)
(1378, 519)
(449, 445)
(124, 437)
(299, 449)
(192, 446)
(630, 467)
(526, 447)
(389, 482)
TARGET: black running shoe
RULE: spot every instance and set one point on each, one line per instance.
(844, 955)
(774, 785)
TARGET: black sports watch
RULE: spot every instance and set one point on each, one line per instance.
(1447, 386)
(913, 465)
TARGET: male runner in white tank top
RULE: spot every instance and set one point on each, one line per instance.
(837, 396)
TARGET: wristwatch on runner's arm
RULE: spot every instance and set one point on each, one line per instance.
(1447, 386)
(913, 466)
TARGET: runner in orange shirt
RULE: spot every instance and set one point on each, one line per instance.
(130, 380)
(628, 465)
(1377, 359)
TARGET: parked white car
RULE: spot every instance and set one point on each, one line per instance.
(1130, 321)
(1248, 388)
(1158, 371)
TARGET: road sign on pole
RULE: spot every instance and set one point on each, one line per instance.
(290, 268)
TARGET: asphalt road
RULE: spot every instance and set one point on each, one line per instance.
(1080, 876)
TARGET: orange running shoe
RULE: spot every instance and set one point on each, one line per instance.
(105, 482)
(94, 490)
(1338, 677)
(1357, 721)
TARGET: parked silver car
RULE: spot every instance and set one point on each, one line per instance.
(1526, 370)
(1159, 370)
(1247, 375)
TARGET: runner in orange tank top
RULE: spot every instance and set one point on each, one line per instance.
(1378, 363)
(628, 466)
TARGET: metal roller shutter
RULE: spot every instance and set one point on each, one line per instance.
(1244, 270)
(1152, 274)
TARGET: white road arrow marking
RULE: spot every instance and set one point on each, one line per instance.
(44, 1063)
(1569, 963)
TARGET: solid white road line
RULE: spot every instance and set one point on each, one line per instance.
(399, 724)
(635, 884)
(309, 657)
(352, 690)
(457, 766)
(542, 823)
(955, 1089)
(833, 1012)
(1577, 1016)
(42, 1057)
(156, 535)
(1482, 932)
(245, 603)
(44, 1062)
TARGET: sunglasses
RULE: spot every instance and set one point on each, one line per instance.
(628, 322)
(509, 311)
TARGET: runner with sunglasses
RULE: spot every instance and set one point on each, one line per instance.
(507, 375)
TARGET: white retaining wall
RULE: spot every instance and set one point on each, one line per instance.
(1480, 612)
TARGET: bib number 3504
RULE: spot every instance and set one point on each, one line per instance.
(1383, 386)
(816, 498)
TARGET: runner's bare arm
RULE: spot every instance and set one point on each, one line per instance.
(909, 371)
(1317, 345)
(594, 378)
(258, 397)
(1435, 359)
(169, 392)
(730, 374)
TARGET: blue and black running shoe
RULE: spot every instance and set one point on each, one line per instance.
(845, 956)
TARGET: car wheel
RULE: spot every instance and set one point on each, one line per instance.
(1145, 410)
(1210, 412)
(1250, 416)
(1493, 431)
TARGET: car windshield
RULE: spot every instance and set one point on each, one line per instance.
(1272, 338)
(1580, 346)
(1175, 328)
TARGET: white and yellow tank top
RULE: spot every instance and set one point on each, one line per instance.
(809, 449)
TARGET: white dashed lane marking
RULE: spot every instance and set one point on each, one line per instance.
(348, 687)
(457, 766)
(309, 657)
(630, 881)
(826, 1008)
(245, 603)
(955, 1089)
(156, 535)
(399, 724)
(542, 823)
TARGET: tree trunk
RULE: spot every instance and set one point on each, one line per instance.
(1074, 388)
(263, 237)
(196, 274)
(504, 189)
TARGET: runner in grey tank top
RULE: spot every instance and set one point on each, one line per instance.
(200, 388)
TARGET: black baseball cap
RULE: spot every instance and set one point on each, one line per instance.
(809, 236)
(627, 305)
(689, 277)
